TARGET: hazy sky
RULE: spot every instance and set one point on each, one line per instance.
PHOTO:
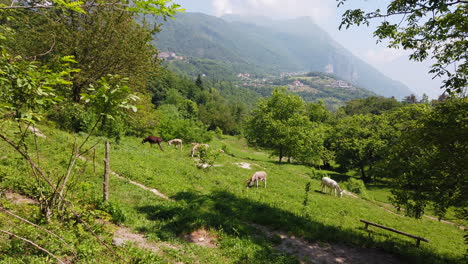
(394, 63)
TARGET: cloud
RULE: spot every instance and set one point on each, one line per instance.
(317, 9)
(384, 56)
(222, 7)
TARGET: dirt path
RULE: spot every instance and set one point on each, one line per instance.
(17, 198)
(154, 191)
(123, 235)
(326, 253)
(36, 131)
(244, 165)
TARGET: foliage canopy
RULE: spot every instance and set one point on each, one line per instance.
(436, 29)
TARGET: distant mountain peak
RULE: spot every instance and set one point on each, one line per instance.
(270, 46)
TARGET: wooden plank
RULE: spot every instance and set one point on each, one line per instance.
(394, 230)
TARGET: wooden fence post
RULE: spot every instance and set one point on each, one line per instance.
(106, 172)
(94, 161)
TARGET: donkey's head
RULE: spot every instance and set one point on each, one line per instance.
(340, 193)
(249, 183)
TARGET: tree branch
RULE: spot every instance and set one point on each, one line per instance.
(40, 227)
(34, 244)
(65, 202)
(28, 159)
(55, 6)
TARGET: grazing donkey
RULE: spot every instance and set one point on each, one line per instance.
(177, 142)
(332, 185)
(257, 176)
(153, 140)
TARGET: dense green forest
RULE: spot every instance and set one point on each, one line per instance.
(88, 77)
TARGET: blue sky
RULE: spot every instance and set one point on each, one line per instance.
(393, 63)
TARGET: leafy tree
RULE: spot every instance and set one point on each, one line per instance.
(110, 99)
(428, 164)
(410, 99)
(431, 29)
(207, 105)
(317, 112)
(371, 105)
(104, 38)
(360, 141)
(173, 125)
(188, 109)
(199, 82)
(280, 123)
(28, 87)
(403, 118)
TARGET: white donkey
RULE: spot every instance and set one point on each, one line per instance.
(256, 177)
(332, 185)
(177, 142)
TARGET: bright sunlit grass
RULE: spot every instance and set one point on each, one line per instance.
(217, 199)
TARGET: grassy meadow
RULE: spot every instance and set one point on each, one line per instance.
(215, 199)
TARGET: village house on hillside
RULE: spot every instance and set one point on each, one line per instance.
(297, 83)
(244, 75)
(169, 56)
(291, 74)
(341, 84)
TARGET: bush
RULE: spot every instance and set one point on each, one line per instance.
(72, 117)
(226, 150)
(207, 155)
(113, 209)
(356, 186)
(219, 133)
(173, 125)
(316, 175)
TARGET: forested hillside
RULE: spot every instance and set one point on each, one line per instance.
(90, 172)
(247, 45)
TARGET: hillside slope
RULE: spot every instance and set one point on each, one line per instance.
(216, 203)
(270, 46)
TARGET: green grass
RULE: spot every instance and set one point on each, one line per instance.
(380, 192)
(217, 199)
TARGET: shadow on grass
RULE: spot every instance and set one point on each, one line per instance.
(234, 215)
(339, 177)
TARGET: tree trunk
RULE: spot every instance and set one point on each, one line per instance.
(364, 177)
(280, 154)
(76, 93)
(106, 173)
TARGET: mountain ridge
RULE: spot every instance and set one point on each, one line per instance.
(271, 46)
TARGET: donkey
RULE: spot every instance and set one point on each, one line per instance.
(332, 185)
(257, 176)
(153, 140)
(177, 142)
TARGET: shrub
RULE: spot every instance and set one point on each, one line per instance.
(356, 186)
(173, 125)
(112, 208)
(207, 155)
(316, 175)
(72, 117)
(219, 133)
